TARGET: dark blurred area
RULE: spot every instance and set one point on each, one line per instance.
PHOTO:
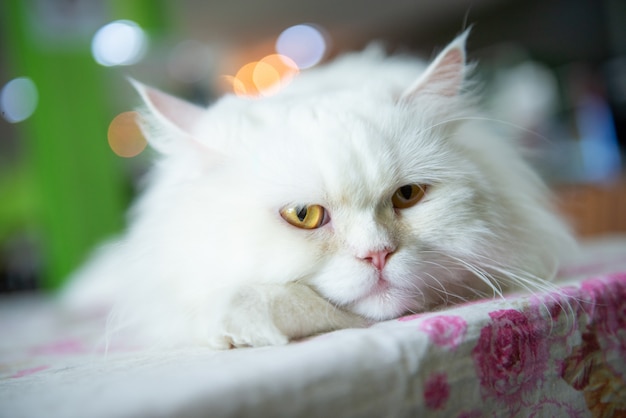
(553, 71)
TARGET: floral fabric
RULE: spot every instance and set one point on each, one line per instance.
(557, 354)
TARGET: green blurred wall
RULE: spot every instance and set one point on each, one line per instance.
(77, 180)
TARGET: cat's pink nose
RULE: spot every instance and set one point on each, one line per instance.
(377, 258)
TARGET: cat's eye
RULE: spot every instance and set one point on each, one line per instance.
(306, 217)
(407, 196)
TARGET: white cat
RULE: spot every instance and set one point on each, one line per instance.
(367, 189)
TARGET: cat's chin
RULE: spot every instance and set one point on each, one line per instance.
(384, 302)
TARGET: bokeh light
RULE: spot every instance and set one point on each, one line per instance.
(285, 66)
(304, 44)
(121, 42)
(125, 136)
(18, 99)
(243, 83)
(264, 77)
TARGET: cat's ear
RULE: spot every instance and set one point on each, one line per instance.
(169, 111)
(445, 75)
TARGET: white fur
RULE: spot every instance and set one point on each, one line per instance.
(208, 256)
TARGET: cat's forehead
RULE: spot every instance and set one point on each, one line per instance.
(323, 131)
(339, 150)
(347, 157)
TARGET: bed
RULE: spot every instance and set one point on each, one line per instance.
(545, 355)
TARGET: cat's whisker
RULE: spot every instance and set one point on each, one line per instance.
(455, 267)
(550, 294)
(483, 275)
(409, 282)
(535, 285)
(517, 277)
(444, 293)
(438, 265)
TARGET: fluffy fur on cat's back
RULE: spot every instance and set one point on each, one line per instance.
(368, 188)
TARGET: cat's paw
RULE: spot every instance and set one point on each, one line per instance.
(262, 315)
(245, 329)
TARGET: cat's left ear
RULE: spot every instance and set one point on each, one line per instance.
(445, 75)
(170, 111)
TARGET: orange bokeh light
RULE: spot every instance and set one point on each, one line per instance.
(125, 136)
(264, 77)
(284, 65)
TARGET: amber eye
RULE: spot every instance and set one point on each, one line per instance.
(407, 196)
(306, 217)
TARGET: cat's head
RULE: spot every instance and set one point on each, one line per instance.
(368, 186)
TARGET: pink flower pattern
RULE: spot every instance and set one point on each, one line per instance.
(577, 334)
(554, 354)
(445, 330)
(510, 356)
(596, 366)
(608, 319)
(436, 391)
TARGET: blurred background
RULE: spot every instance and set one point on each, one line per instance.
(553, 71)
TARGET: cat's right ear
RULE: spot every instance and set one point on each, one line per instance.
(445, 76)
(170, 112)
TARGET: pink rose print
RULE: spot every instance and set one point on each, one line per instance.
(445, 330)
(608, 318)
(560, 302)
(586, 371)
(565, 307)
(436, 391)
(609, 310)
(510, 356)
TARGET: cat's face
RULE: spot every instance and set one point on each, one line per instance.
(366, 211)
(367, 198)
(346, 205)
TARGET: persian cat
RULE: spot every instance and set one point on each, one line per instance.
(369, 188)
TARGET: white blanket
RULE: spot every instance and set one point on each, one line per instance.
(557, 354)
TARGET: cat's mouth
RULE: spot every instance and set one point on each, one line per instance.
(379, 290)
(381, 286)
(383, 301)
(384, 298)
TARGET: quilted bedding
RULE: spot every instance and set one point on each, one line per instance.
(561, 353)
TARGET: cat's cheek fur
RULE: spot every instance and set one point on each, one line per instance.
(342, 280)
